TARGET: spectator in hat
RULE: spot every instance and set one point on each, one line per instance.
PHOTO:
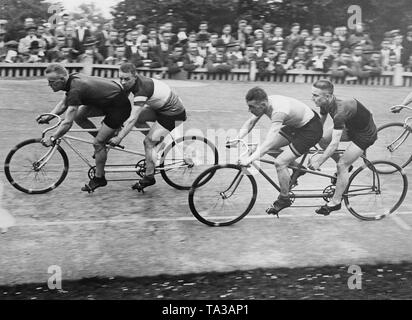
(293, 39)
(240, 34)
(341, 34)
(277, 34)
(35, 54)
(91, 54)
(266, 66)
(203, 28)
(103, 40)
(213, 39)
(397, 47)
(11, 54)
(234, 54)
(360, 62)
(283, 63)
(81, 33)
(24, 43)
(268, 31)
(145, 57)
(320, 61)
(227, 36)
(192, 59)
(360, 37)
(300, 58)
(175, 61)
(341, 67)
(248, 33)
(154, 41)
(202, 42)
(385, 52)
(407, 46)
(374, 64)
(3, 48)
(218, 62)
(316, 33)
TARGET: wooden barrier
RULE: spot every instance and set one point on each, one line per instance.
(398, 77)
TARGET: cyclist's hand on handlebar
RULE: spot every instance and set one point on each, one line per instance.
(115, 141)
(47, 142)
(396, 108)
(244, 162)
(44, 119)
(231, 144)
(314, 165)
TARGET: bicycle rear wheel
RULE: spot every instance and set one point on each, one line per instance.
(185, 158)
(222, 195)
(22, 167)
(372, 195)
(386, 147)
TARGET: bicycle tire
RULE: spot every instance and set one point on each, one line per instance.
(14, 165)
(188, 166)
(223, 183)
(387, 134)
(390, 193)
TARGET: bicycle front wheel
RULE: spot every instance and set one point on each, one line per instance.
(33, 168)
(393, 144)
(185, 158)
(226, 197)
(372, 195)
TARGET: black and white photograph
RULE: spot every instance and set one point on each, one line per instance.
(199, 157)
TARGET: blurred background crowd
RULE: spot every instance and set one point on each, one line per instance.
(345, 53)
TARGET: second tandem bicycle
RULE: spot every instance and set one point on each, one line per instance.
(33, 168)
(225, 193)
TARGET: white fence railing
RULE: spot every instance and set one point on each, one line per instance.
(398, 77)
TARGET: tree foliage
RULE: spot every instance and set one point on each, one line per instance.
(378, 15)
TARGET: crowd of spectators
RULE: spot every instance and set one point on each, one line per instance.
(344, 53)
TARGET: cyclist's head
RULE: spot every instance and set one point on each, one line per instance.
(322, 92)
(257, 101)
(57, 76)
(127, 75)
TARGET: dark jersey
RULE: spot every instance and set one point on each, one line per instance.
(87, 90)
(348, 113)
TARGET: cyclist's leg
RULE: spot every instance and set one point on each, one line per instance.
(99, 144)
(281, 163)
(145, 115)
(327, 138)
(154, 136)
(84, 113)
(351, 154)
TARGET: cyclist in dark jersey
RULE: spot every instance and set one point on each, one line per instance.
(351, 122)
(154, 101)
(86, 97)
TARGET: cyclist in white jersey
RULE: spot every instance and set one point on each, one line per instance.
(294, 124)
(154, 101)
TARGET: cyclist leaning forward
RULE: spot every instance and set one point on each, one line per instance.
(351, 122)
(153, 101)
(87, 97)
(294, 124)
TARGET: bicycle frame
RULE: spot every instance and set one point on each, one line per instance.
(109, 167)
(299, 193)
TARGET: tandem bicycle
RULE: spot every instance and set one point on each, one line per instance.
(225, 193)
(35, 169)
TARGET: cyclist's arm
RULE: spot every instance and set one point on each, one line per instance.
(332, 147)
(407, 100)
(131, 121)
(248, 126)
(67, 122)
(323, 118)
(270, 140)
(60, 107)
